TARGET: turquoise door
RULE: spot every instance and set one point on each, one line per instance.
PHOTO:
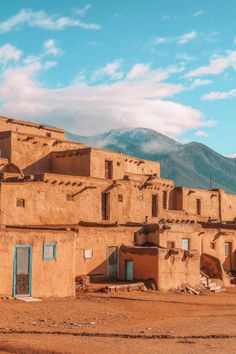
(129, 270)
(22, 270)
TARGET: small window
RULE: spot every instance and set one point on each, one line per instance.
(69, 197)
(212, 245)
(20, 203)
(120, 198)
(48, 135)
(228, 247)
(49, 251)
(88, 254)
(154, 205)
(185, 244)
(170, 244)
(198, 206)
(164, 199)
(108, 169)
(105, 201)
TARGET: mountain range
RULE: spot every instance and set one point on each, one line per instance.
(192, 165)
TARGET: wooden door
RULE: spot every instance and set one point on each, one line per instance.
(228, 257)
(22, 270)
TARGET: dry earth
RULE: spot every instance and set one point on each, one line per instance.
(143, 322)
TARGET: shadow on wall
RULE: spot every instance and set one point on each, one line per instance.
(41, 166)
(211, 266)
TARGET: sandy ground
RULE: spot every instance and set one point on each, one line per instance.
(143, 322)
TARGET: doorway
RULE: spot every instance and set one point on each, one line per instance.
(129, 270)
(113, 262)
(22, 270)
(228, 257)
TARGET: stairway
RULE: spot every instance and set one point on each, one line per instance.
(210, 284)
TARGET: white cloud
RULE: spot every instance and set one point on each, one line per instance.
(202, 134)
(8, 53)
(40, 19)
(181, 40)
(217, 95)
(197, 13)
(94, 108)
(231, 156)
(51, 48)
(216, 66)
(185, 38)
(111, 70)
(83, 11)
(138, 70)
(199, 82)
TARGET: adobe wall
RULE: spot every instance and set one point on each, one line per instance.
(50, 278)
(213, 245)
(228, 206)
(98, 239)
(145, 263)
(73, 163)
(174, 270)
(209, 202)
(9, 124)
(47, 202)
(31, 152)
(141, 166)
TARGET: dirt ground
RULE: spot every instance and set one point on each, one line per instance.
(142, 322)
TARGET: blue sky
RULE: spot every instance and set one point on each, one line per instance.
(92, 66)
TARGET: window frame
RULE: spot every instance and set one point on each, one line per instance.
(50, 258)
(185, 239)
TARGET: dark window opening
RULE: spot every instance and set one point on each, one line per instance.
(108, 169)
(120, 198)
(170, 244)
(49, 135)
(164, 199)
(69, 197)
(212, 245)
(105, 206)
(20, 203)
(154, 205)
(198, 206)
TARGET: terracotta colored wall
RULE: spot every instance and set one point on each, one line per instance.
(145, 265)
(213, 236)
(7, 124)
(32, 153)
(228, 206)
(74, 163)
(49, 277)
(98, 239)
(175, 270)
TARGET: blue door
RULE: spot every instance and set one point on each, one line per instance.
(129, 270)
(22, 270)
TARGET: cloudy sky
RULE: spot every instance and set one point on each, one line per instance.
(92, 66)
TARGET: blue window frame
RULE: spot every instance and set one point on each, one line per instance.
(49, 251)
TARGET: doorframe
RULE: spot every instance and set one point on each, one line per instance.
(126, 261)
(118, 260)
(30, 269)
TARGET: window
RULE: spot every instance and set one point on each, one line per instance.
(69, 197)
(120, 198)
(108, 169)
(185, 244)
(20, 203)
(227, 249)
(170, 244)
(88, 254)
(164, 199)
(49, 251)
(48, 135)
(105, 206)
(198, 206)
(154, 205)
(212, 245)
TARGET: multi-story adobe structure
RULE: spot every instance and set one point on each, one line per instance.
(67, 210)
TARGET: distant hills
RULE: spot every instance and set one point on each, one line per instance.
(188, 165)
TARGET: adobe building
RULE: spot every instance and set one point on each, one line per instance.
(68, 211)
